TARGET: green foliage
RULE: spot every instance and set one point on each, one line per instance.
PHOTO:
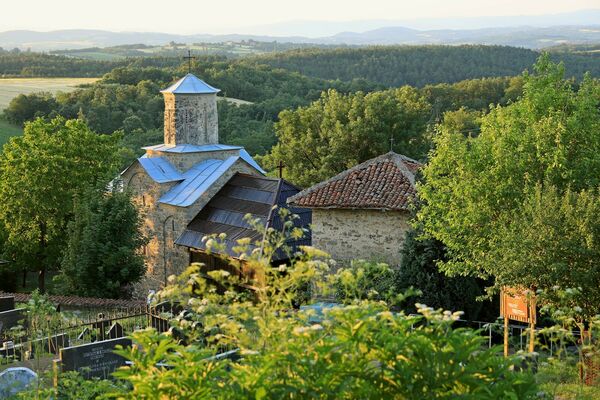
(364, 280)
(418, 65)
(339, 131)
(26, 107)
(419, 269)
(72, 386)
(489, 198)
(575, 347)
(29, 64)
(103, 256)
(358, 351)
(41, 172)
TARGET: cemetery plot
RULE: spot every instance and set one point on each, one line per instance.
(7, 303)
(93, 360)
(10, 319)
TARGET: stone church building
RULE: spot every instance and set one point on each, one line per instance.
(363, 212)
(191, 186)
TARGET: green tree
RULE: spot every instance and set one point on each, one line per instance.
(339, 131)
(25, 107)
(103, 252)
(476, 189)
(40, 173)
(420, 270)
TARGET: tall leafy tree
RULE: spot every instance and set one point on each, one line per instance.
(478, 190)
(103, 254)
(40, 173)
(339, 131)
(420, 270)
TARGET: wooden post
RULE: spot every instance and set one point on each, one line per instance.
(505, 336)
(56, 370)
(532, 318)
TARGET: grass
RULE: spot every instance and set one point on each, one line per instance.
(11, 87)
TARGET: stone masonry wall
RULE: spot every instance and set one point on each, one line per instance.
(185, 161)
(163, 223)
(360, 234)
(191, 119)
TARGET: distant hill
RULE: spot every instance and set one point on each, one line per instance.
(533, 37)
(393, 66)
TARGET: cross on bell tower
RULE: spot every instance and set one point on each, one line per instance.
(189, 59)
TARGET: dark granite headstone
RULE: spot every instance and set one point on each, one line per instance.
(9, 319)
(116, 331)
(94, 359)
(7, 303)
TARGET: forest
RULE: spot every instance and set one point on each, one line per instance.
(420, 65)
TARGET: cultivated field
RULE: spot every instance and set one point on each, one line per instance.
(11, 87)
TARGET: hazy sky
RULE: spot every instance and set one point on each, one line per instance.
(218, 16)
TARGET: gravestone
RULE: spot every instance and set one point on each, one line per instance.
(94, 359)
(15, 380)
(11, 318)
(7, 303)
(116, 331)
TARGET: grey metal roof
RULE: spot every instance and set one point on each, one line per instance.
(191, 148)
(190, 84)
(160, 170)
(197, 180)
(245, 194)
(248, 158)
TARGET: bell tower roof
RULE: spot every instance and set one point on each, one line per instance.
(190, 84)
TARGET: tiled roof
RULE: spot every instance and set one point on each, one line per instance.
(385, 183)
(77, 301)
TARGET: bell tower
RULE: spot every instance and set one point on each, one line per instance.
(191, 112)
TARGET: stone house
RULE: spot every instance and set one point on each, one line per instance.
(363, 212)
(174, 182)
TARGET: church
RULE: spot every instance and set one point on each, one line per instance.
(191, 186)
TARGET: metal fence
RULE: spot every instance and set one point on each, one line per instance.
(25, 342)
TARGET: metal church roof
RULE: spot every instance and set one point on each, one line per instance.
(191, 148)
(160, 170)
(190, 84)
(197, 180)
(226, 213)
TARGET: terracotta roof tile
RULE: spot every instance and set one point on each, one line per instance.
(386, 182)
(77, 301)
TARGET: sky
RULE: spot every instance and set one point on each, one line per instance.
(251, 16)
